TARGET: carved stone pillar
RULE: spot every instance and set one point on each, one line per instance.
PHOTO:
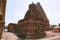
(2, 16)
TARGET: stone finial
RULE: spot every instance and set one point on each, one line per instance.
(32, 3)
(38, 4)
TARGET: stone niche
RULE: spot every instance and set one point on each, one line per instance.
(34, 23)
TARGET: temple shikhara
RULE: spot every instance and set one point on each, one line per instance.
(34, 23)
(2, 16)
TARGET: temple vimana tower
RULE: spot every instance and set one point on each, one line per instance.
(2, 16)
(34, 23)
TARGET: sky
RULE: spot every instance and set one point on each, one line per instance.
(16, 9)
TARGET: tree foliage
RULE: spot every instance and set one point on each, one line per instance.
(52, 26)
(59, 24)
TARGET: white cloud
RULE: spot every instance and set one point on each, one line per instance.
(16, 9)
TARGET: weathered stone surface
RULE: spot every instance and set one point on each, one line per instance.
(2, 15)
(34, 23)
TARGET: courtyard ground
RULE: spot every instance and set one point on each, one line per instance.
(50, 36)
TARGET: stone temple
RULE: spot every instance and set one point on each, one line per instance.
(12, 27)
(2, 16)
(34, 23)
